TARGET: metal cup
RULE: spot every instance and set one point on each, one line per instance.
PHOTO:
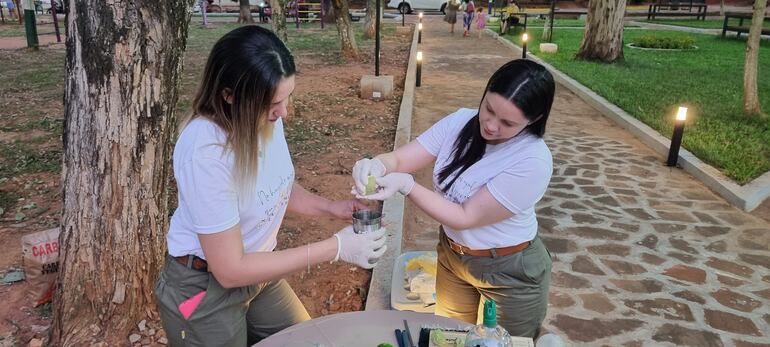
(365, 221)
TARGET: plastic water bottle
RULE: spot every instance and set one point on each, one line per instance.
(488, 334)
(550, 340)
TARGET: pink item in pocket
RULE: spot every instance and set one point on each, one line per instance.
(188, 306)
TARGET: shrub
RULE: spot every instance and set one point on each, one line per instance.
(648, 41)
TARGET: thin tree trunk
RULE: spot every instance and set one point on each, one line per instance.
(124, 60)
(750, 71)
(245, 13)
(328, 12)
(348, 47)
(19, 12)
(279, 19)
(603, 35)
(547, 29)
(370, 23)
(722, 8)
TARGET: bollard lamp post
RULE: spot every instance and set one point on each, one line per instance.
(676, 139)
(419, 70)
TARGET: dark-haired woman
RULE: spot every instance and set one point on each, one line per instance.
(491, 168)
(222, 282)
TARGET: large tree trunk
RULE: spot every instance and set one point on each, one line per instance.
(245, 13)
(124, 59)
(750, 94)
(348, 47)
(370, 22)
(603, 35)
(279, 19)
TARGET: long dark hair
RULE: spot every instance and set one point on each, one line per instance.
(530, 87)
(250, 61)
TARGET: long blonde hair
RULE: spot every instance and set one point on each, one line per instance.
(248, 62)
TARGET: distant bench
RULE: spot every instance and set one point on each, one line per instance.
(740, 28)
(676, 9)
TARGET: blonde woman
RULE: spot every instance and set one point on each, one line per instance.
(450, 14)
(222, 282)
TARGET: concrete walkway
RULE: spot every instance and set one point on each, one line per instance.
(644, 255)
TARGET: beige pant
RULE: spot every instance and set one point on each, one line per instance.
(225, 317)
(517, 283)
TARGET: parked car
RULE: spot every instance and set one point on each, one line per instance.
(406, 6)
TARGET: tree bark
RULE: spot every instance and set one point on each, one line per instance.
(370, 22)
(328, 12)
(124, 60)
(245, 13)
(722, 8)
(750, 71)
(603, 35)
(348, 47)
(547, 29)
(19, 13)
(279, 19)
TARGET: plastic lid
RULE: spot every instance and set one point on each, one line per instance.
(490, 314)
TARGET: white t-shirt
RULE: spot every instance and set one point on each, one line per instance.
(516, 173)
(209, 201)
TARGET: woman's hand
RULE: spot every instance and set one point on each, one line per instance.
(365, 168)
(360, 249)
(343, 209)
(397, 182)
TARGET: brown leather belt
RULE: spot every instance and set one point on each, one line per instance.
(491, 253)
(193, 262)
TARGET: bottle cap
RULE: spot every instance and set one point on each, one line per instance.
(490, 314)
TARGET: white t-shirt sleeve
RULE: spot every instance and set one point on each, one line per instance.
(433, 138)
(207, 186)
(520, 187)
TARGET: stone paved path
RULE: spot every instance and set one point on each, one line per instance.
(644, 255)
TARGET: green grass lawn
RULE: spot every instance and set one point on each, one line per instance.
(702, 24)
(651, 84)
(538, 23)
(534, 23)
(11, 30)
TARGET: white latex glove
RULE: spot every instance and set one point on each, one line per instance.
(390, 184)
(360, 249)
(365, 168)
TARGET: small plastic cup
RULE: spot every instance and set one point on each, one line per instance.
(365, 221)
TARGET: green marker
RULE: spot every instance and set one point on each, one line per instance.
(371, 185)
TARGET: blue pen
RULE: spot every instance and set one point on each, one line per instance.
(405, 338)
(399, 338)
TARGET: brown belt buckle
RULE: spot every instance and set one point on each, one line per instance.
(453, 245)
